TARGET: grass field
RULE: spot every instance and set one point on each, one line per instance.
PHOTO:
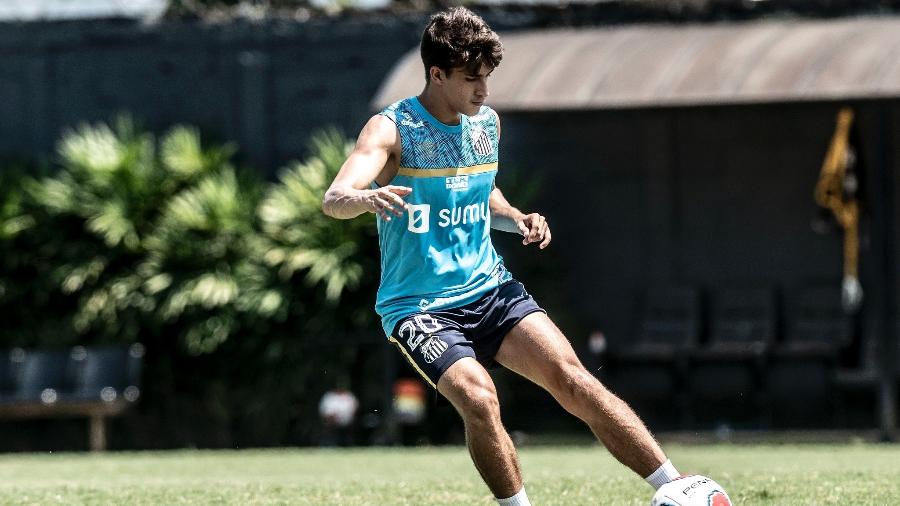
(857, 474)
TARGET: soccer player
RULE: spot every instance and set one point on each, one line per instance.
(426, 167)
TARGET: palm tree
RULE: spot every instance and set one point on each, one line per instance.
(103, 205)
(199, 263)
(300, 238)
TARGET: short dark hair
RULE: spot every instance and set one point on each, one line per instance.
(456, 38)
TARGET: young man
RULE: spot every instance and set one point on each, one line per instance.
(426, 167)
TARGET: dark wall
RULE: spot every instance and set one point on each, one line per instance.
(714, 197)
(266, 86)
(593, 171)
(745, 182)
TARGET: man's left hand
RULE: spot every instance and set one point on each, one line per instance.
(535, 229)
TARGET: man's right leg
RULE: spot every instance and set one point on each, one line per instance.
(469, 387)
(536, 349)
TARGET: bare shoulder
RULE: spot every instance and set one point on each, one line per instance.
(380, 132)
(377, 151)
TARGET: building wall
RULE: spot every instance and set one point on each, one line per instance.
(715, 197)
(266, 86)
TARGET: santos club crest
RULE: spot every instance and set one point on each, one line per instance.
(433, 348)
(481, 142)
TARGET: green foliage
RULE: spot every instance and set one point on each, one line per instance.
(199, 262)
(29, 298)
(169, 233)
(299, 237)
(13, 217)
(223, 276)
(108, 180)
(108, 197)
(14, 220)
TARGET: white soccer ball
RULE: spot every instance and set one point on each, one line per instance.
(693, 490)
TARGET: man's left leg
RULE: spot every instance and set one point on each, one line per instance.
(536, 349)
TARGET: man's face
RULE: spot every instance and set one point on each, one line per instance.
(466, 90)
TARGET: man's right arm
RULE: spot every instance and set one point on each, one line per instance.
(349, 194)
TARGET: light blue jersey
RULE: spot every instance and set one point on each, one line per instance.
(440, 254)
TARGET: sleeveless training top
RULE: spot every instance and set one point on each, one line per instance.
(439, 255)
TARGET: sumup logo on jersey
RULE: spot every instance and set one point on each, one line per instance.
(420, 216)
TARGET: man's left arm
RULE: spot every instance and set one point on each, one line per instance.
(533, 227)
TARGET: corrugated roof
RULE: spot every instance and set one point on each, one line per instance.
(654, 65)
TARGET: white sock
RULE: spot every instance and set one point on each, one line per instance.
(663, 475)
(520, 499)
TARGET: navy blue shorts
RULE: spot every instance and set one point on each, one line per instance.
(432, 341)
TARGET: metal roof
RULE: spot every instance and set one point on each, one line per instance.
(666, 65)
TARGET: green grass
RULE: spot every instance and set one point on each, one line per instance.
(856, 474)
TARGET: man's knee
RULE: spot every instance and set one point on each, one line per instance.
(571, 383)
(480, 405)
(472, 392)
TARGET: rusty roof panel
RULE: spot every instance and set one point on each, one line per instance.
(659, 65)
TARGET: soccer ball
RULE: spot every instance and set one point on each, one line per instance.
(691, 491)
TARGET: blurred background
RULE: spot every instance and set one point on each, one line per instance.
(720, 176)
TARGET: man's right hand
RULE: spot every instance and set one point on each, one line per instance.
(387, 199)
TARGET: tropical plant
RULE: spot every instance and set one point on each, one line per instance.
(15, 277)
(232, 283)
(200, 266)
(325, 273)
(104, 203)
(14, 219)
(301, 238)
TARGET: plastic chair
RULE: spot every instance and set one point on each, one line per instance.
(726, 377)
(108, 373)
(650, 371)
(40, 375)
